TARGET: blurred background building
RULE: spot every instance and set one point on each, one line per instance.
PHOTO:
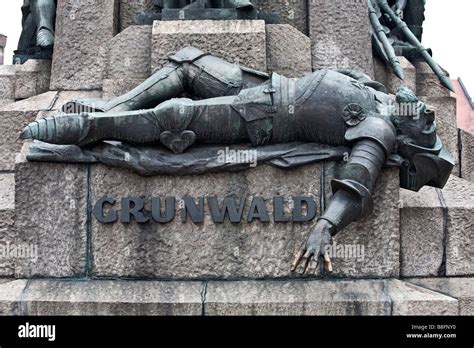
(465, 106)
(3, 43)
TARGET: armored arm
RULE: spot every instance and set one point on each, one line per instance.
(400, 7)
(373, 140)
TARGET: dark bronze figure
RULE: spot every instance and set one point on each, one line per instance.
(398, 29)
(37, 37)
(202, 10)
(196, 4)
(236, 105)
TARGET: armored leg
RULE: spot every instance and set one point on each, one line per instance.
(191, 71)
(44, 13)
(176, 123)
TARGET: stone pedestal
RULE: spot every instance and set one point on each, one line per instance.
(437, 230)
(82, 34)
(7, 83)
(32, 78)
(461, 289)
(58, 243)
(7, 230)
(422, 233)
(282, 42)
(428, 83)
(237, 41)
(130, 9)
(180, 250)
(340, 35)
(466, 140)
(294, 13)
(457, 197)
(13, 118)
(128, 60)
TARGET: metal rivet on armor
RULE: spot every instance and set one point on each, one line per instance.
(353, 114)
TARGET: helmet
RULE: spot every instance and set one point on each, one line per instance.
(425, 166)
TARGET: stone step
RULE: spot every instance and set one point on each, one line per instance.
(437, 230)
(461, 289)
(294, 298)
(7, 82)
(24, 81)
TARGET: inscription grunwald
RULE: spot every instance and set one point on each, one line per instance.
(108, 210)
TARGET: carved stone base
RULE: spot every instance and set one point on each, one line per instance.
(58, 206)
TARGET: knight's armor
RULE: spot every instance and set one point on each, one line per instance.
(37, 15)
(235, 104)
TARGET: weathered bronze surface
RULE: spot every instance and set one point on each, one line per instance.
(203, 10)
(236, 105)
(37, 37)
(398, 29)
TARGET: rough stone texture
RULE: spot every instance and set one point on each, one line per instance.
(422, 233)
(377, 234)
(51, 213)
(361, 297)
(66, 96)
(380, 71)
(458, 196)
(460, 288)
(129, 9)
(7, 219)
(283, 41)
(427, 83)
(208, 250)
(10, 296)
(297, 298)
(7, 82)
(4, 102)
(232, 251)
(82, 34)
(394, 82)
(294, 13)
(32, 78)
(238, 41)
(113, 88)
(445, 108)
(52, 297)
(128, 60)
(409, 299)
(13, 118)
(129, 54)
(467, 156)
(340, 35)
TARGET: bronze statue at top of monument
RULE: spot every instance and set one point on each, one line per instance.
(37, 36)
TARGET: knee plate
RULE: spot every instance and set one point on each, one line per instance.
(208, 76)
(175, 115)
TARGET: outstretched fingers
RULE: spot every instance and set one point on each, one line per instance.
(298, 258)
